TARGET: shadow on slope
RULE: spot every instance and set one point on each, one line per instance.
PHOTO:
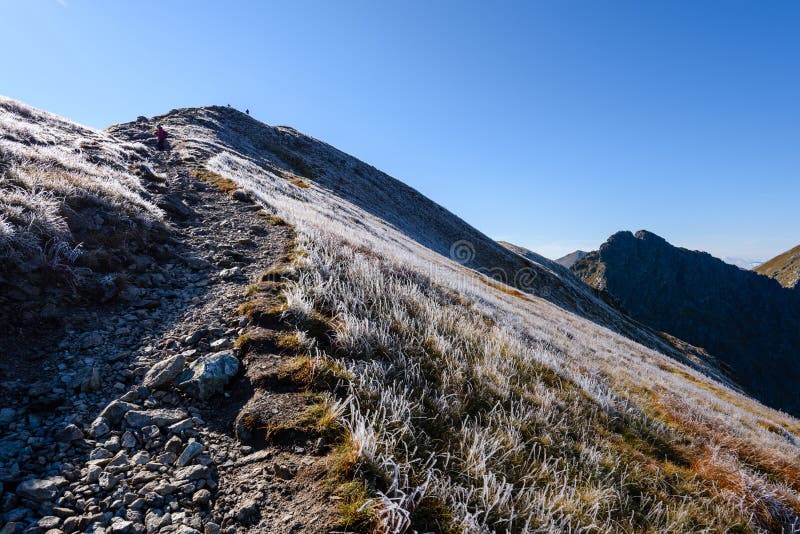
(746, 320)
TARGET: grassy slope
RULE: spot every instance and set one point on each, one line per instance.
(472, 406)
(785, 268)
(67, 200)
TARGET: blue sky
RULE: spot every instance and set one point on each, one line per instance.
(549, 124)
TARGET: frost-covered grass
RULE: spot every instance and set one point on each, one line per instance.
(51, 171)
(469, 424)
(472, 407)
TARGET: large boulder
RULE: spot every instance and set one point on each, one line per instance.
(164, 372)
(208, 375)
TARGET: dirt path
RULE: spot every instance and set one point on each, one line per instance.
(86, 447)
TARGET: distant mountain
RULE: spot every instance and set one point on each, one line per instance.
(784, 268)
(748, 264)
(745, 320)
(570, 259)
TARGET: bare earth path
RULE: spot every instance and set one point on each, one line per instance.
(109, 455)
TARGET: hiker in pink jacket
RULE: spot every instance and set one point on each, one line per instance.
(161, 135)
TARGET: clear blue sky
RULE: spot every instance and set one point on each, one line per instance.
(550, 124)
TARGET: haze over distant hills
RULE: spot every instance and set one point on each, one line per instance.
(748, 264)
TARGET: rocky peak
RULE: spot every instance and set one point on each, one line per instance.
(746, 320)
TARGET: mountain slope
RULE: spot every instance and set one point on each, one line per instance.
(471, 405)
(71, 214)
(570, 259)
(390, 381)
(333, 192)
(747, 321)
(784, 268)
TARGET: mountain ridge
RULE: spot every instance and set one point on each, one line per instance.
(378, 365)
(738, 316)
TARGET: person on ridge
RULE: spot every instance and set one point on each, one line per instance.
(161, 135)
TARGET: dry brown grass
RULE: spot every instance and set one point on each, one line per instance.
(212, 178)
(724, 461)
(300, 183)
(504, 288)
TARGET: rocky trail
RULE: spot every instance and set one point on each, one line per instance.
(125, 420)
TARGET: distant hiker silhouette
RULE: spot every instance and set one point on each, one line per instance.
(247, 111)
(161, 135)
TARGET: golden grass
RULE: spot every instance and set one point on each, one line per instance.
(300, 183)
(217, 180)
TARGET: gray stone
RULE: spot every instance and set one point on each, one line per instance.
(93, 474)
(168, 458)
(208, 375)
(48, 522)
(120, 462)
(193, 472)
(160, 417)
(180, 426)
(233, 272)
(220, 344)
(173, 444)
(70, 433)
(116, 410)
(150, 433)
(201, 497)
(100, 454)
(122, 526)
(41, 489)
(194, 337)
(155, 522)
(165, 489)
(112, 444)
(164, 372)
(140, 458)
(107, 481)
(248, 513)
(128, 439)
(16, 514)
(99, 428)
(192, 449)
(74, 523)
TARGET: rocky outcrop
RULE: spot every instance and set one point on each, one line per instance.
(747, 321)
